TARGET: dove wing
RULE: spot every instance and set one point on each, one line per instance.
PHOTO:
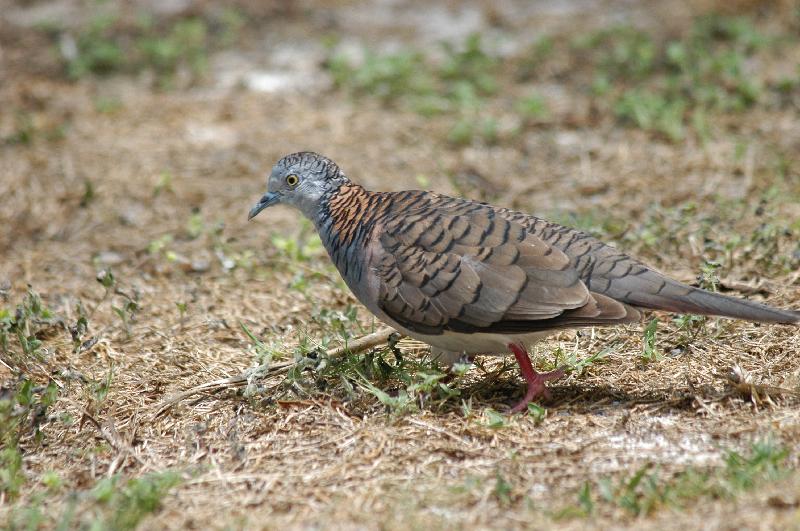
(454, 265)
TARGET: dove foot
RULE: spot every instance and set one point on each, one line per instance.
(536, 380)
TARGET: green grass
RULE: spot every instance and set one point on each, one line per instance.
(112, 503)
(458, 85)
(649, 349)
(649, 489)
(403, 385)
(671, 88)
(23, 408)
(21, 328)
(108, 45)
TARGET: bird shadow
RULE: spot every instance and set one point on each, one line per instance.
(579, 398)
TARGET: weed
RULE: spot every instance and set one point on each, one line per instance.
(467, 129)
(164, 184)
(96, 391)
(182, 307)
(185, 43)
(708, 279)
(649, 350)
(195, 225)
(387, 77)
(456, 85)
(652, 111)
(104, 46)
(664, 88)
(537, 413)
(127, 313)
(574, 365)
(301, 248)
(107, 105)
(623, 52)
(24, 129)
(23, 407)
(95, 50)
(493, 419)
(532, 107)
(502, 490)
(30, 319)
(534, 58)
(648, 489)
(88, 193)
(124, 504)
(160, 244)
(469, 64)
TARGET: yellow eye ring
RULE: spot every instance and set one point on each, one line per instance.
(292, 180)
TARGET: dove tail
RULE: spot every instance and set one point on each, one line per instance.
(680, 298)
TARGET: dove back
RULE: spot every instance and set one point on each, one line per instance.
(606, 270)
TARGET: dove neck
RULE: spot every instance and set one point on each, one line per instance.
(345, 223)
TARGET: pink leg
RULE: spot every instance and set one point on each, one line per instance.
(535, 380)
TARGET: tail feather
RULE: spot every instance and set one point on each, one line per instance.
(653, 290)
(608, 271)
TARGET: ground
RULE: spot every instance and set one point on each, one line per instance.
(133, 146)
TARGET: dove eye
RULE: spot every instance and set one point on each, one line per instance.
(292, 180)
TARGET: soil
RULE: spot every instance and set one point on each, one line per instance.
(157, 187)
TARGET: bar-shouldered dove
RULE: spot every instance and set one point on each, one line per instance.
(470, 278)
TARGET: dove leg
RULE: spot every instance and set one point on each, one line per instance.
(536, 380)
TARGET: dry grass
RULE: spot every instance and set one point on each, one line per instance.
(157, 189)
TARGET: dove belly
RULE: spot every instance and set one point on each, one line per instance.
(474, 343)
(477, 343)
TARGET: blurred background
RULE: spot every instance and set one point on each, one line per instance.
(136, 135)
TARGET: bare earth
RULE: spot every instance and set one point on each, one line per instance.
(173, 174)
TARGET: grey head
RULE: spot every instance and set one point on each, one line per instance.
(303, 180)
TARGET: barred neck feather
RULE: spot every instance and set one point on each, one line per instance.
(347, 219)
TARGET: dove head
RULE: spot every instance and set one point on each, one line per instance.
(304, 180)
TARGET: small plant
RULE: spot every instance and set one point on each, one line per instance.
(95, 50)
(469, 128)
(574, 365)
(493, 419)
(182, 308)
(24, 129)
(470, 64)
(302, 248)
(532, 107)
(387, 77)
(537, 413)
(23, 408)
(667, 88)
(648, 489)
(163, 185)
(185, 43)
(455, 85)
(96, 391)
(107, 46)
(622, 52)
(708, 278)
(502, 490)
(127, 313)
(28, 322)
(421, 385)
(123, 504)
(653, 112)
(650, 351)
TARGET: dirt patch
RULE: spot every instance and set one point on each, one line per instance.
(114, 172)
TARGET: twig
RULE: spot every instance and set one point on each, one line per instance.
(109, 432)
(363, 343)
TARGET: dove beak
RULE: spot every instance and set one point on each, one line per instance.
(269, 199)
